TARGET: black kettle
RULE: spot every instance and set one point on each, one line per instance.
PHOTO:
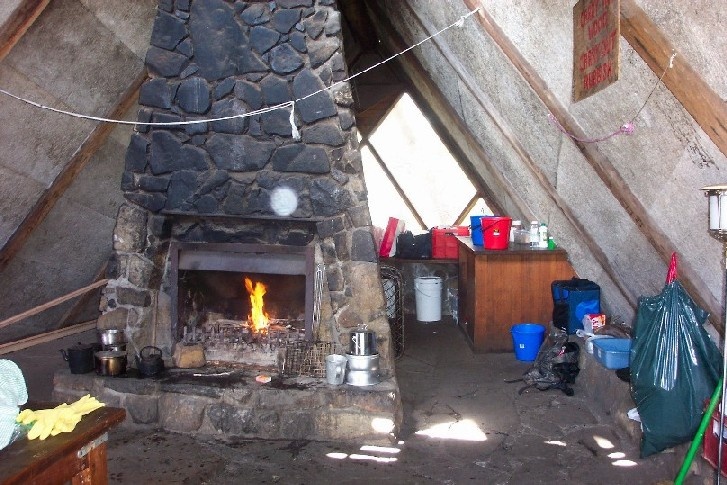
(149, 361)
(80, 357)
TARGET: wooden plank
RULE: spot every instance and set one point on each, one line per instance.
(52, 303)
(81, 303)
(19, 23)
(64, 179)
(605, 170)
(687, 86)
(46, 337)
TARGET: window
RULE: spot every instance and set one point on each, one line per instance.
(411, 175)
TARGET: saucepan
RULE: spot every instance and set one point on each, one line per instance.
(110, 363)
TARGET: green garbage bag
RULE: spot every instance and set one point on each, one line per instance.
(674, 368)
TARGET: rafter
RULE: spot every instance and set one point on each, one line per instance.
(18, 23)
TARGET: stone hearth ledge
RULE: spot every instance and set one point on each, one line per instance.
(234, 406)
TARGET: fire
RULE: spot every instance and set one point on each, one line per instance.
(258, 317)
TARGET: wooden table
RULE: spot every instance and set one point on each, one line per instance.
(499, 288)
(78, 456)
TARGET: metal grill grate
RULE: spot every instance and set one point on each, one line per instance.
(391, 281)
(306, 358)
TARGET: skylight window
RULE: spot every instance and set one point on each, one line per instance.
(411, 175)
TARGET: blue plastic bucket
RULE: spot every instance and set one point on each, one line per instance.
(526, 340)
(476, 229)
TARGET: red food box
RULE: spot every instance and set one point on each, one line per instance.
(710, 445)
(444, 242)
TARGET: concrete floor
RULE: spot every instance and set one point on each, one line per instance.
(462, 424)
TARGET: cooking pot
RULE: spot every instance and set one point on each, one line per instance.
(79, 358)
(363, 342)
(110, 363)
(112, 336)
(149, 361)
(115, 347)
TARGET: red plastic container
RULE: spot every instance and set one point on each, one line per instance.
(444, 242)
(496, 232)
(710, 445)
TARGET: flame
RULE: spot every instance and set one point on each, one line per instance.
(258, 317)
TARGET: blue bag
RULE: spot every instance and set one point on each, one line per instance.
(572, 299)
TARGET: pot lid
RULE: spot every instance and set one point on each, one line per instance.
(81, 347)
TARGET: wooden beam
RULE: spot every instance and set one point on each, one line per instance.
(687, 86)
(81, 303)
(605, 170)
(52, 303)
(46, 337)
(18, 23)
(63, 180)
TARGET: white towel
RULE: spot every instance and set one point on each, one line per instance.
(13, 394)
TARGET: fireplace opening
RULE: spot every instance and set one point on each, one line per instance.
(241, 302)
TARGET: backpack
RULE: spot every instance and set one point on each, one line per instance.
(555, 367)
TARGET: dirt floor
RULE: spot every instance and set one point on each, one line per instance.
(462, 424)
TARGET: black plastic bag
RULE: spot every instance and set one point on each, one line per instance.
(414, 246)
(674, 368)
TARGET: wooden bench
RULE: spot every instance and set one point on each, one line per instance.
(78, 456)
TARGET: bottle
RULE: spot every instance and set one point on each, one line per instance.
(543, 236)
(534, 235)
(516, 226)
(551, 243)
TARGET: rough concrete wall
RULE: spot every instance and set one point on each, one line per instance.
(79, 56)
(664, 162)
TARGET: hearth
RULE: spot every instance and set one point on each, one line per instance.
(244, 303)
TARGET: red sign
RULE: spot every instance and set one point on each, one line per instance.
(596, 53)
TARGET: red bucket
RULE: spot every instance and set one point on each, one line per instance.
(496, 232)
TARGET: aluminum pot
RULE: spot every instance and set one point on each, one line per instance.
(112, 336)
(369, 363)
(363, 342)
(109, 363)
(362, 378)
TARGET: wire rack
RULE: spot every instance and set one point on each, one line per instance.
(391, 280)
(306, 358)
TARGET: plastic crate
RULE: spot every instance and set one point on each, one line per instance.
(444, 241)
(612, 353)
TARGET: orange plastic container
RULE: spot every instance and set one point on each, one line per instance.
(444, 242)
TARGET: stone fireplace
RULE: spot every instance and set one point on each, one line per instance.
(211, 204)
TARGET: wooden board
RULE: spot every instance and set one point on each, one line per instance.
(596, 53)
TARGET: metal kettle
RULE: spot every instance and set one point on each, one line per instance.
(363, 342)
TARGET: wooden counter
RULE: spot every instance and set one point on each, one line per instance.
(77, 457)
(499, 288)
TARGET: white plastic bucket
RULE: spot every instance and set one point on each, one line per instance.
(428, 292)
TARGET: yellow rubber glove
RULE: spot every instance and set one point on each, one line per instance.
(61, 419)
